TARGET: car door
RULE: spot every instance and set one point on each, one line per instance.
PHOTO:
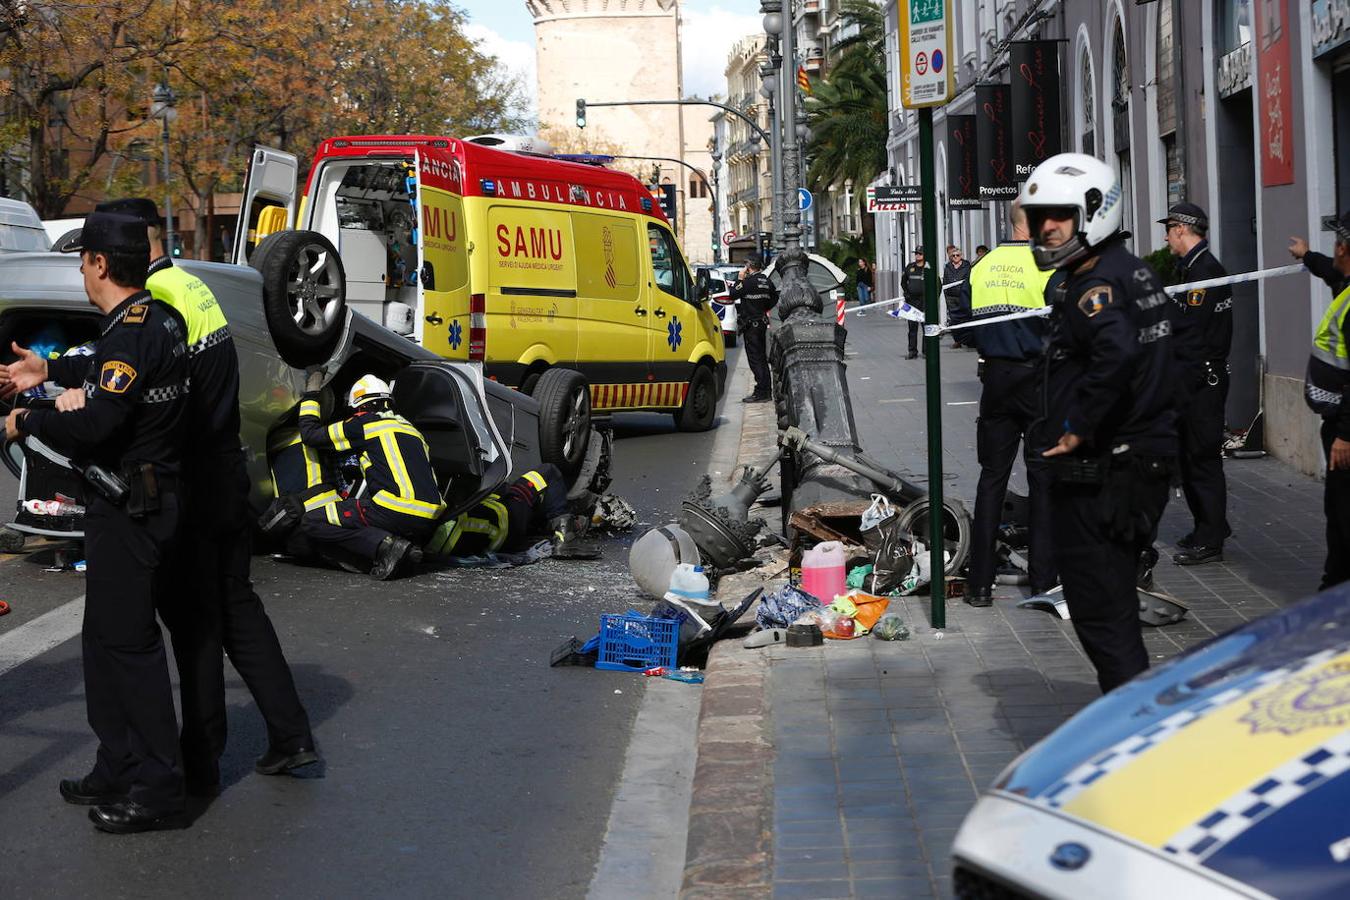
(269, 199)
(442, 323)
(670, 326)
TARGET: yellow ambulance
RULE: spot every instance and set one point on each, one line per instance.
(521, 262)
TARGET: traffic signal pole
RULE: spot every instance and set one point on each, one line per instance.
(937, 586)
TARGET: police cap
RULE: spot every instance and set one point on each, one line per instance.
(1186, 214)
(106, 232)
(918, 251)
(142, 208)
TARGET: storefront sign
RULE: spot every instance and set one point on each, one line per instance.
(993, 142)
(1035, 105)
(963, 188)
(1235, 70)
(1274, 92)
(1330, 25)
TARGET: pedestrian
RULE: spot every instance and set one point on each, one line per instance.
(227, 616)
(1011, 356)
(956, 290)
(864, 282)
(911, 285)
(132, 427)
(1203, 333)
(534, 504)
(754, 295)
(388, 518)
(1325, 390)
(1109, 425)
(980, 251)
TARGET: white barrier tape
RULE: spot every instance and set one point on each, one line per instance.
(902, 304)
(939, 330)
(1234, 279)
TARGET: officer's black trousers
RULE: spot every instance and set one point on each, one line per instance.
(126, 671)
(1336, 503)
(226, 614)
(1201, 422)
(362, 527)
(1097, 568)
(756, 353)
(1009, 403)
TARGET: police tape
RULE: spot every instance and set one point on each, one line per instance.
(1222, 281)
(901, 309)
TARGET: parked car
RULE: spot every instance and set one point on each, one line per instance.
(714, 283)
(481, 434)
(21, 227)
(1223, 773)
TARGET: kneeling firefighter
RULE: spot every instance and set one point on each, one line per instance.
(395, 510)
(534, 504)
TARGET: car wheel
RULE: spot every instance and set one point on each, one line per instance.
(700, 405)
(956, 527)
(729, 338)
(304, 294)
(564, 419)
(259, 254)
(529, 383)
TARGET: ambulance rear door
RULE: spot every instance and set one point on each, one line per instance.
(268, 203)
(442, 323)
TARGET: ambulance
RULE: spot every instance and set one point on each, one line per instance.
(514, 260)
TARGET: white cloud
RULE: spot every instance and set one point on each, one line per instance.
(707, 38)
(516, 59)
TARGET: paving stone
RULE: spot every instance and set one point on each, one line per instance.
(812, 890)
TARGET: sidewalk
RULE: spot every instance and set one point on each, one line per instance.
(845, 770)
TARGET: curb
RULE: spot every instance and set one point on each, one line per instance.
(729, 849)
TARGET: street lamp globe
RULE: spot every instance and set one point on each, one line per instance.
(162, 105)
(773, 23)
(767, 88)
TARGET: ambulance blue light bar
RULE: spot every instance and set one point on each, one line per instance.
(489, 187)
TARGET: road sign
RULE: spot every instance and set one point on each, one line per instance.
(926, 79)
(728, 238)
(804, 199)
(892, 198)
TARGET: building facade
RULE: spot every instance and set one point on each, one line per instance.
(1241, 106)
(749, 192)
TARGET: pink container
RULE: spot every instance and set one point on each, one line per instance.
(823, 574)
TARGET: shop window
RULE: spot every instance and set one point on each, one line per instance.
(1086, 106)
(1174, 170)
(1167, 95)
(1340, 102)
(1235, 24)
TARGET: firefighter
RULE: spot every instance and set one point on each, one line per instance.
(535, 503)
(398, 503)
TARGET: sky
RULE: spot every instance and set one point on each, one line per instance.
(504, 29)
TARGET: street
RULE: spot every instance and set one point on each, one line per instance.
(456, 761)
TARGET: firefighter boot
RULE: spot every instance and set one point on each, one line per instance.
(566, 543)
(387, 558)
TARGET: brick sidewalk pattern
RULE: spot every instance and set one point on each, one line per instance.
(881, 748)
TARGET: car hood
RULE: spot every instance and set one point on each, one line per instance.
(1234, 756)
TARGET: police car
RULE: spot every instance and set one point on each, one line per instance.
(715, 283)
(1222, 773)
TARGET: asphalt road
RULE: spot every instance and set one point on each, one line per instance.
(457, 762)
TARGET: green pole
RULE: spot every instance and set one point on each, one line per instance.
(931, 298)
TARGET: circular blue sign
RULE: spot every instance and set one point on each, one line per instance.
(937, 61)
(804, 198)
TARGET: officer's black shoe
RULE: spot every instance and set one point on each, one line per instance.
(277, 762)
(84, 792)
(391, 552)
(203, 789)
(1187, 542)
(129, 817)
(913, 354)
(1198, 555)
(980, 598)
(1143, 573)
(756, 398)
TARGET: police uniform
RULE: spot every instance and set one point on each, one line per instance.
(133, 425)
(1004, 281)
(399, 497)
(911, 285)
(1109, 370)
(227, 614)
(754, 295)
(506, 520)
(1204, 334)
(1324, 388)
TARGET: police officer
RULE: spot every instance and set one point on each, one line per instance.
(534, 503)
(132, 427)
(399, 502)
(1325, 389)
(1110, 424)
(1008, 281)
(216, 553)
(1204, 333)
(911, 284)
(754, 295)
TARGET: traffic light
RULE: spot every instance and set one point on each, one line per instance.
(668, 201)
(581, 113)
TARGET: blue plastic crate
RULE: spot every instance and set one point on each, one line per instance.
(631, 643)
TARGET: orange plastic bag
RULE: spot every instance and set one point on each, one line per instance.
(870, 609)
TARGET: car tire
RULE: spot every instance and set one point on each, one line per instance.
(564, 419)
(956, 524)
(259, 254)
(730, 338)
(529, 383)
(699, 411)
(304, 294)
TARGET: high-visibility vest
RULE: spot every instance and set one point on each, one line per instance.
(1329, 365)
(488, 519)
(194, 301)
(1007, 280)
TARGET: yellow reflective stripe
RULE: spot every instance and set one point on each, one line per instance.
(313, 470)
(498, 532)
(331, 512)
(379, 429)
(323, 499)
(338, 436)
(535, 479)
(419, 508)
(389, 443)
(309, 408)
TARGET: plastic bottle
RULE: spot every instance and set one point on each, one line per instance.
(823, 574)
(689, 582)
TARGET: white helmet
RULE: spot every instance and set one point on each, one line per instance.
(1079, 182)
(366, 389)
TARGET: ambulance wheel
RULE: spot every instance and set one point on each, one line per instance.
(564, 419)
(700, 404)
(304, 295)
(11, 541)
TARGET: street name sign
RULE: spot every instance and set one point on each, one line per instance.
(926, 65)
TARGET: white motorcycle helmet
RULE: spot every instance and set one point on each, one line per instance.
(367, 388)
(1079, 182)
